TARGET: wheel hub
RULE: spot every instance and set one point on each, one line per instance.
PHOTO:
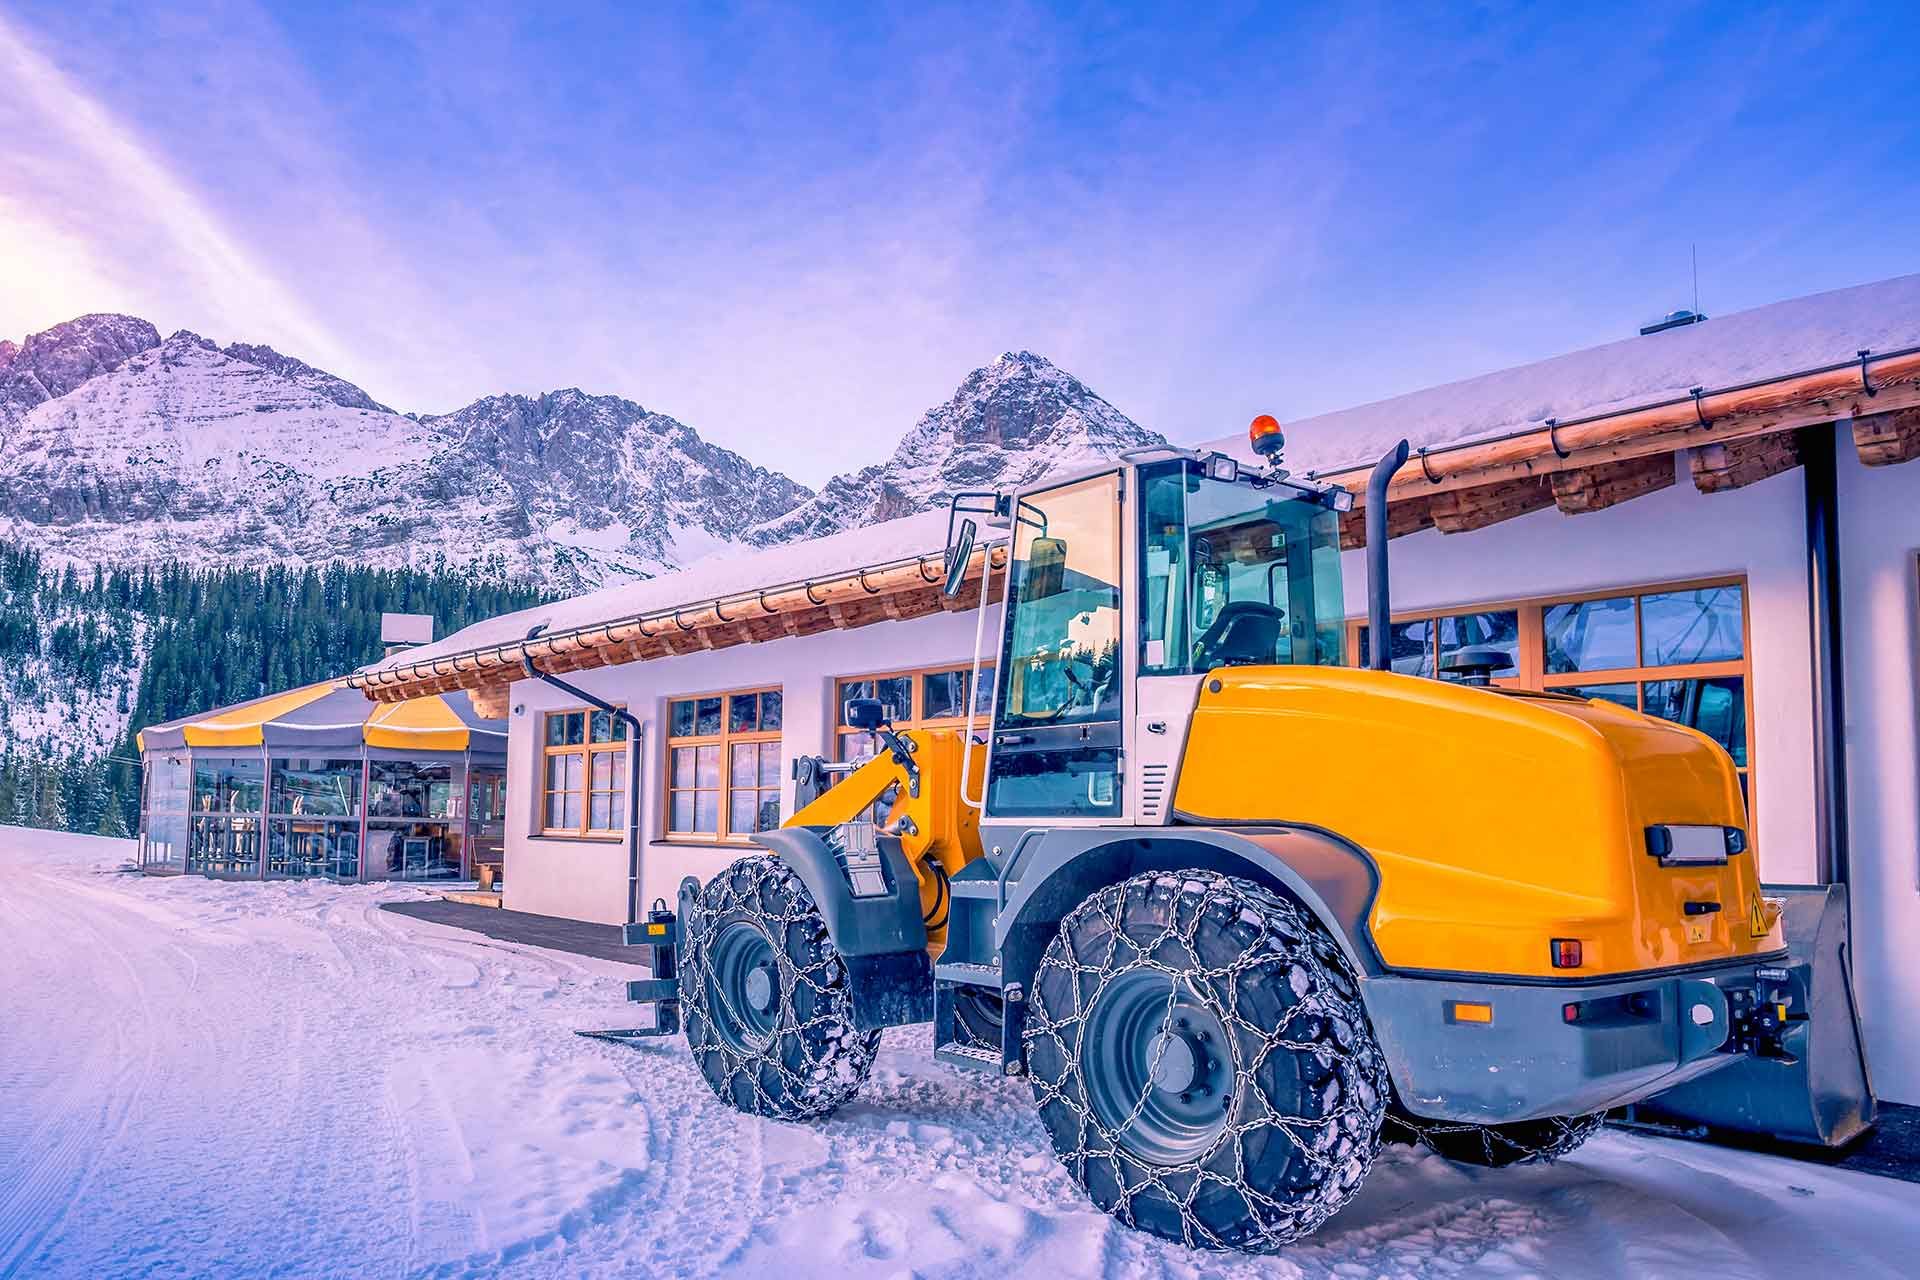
(759, 989)
(743, 986)
(1157, 1066)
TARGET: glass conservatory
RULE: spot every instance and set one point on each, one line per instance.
(319, 781)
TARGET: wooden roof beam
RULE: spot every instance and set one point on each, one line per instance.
(1404, 516)
(1464, 510)
(1720, 468)
(1610, 483)
(1884, 439)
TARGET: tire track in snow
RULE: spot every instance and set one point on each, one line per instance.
(91, 1115)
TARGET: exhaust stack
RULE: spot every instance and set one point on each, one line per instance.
(1379, 594)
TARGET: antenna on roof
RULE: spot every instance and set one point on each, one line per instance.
(1696, 277)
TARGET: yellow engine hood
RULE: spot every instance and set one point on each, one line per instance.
(1499, 822)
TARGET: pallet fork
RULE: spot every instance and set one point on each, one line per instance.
(658, 997)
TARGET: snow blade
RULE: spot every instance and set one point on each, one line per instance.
(1822, 1095)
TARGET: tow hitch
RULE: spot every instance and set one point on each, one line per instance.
(657, 998)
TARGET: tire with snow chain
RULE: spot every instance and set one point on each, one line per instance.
(1495, 1146)
(769, 1013)
(1201, 1059)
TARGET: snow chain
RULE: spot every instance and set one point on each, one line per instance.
(812, 1059)
(1257, 941)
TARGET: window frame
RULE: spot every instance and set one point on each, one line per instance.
(586, 749)
(1532, 656)
(723, 833)
(916, 717)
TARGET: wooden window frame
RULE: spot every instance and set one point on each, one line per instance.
(586, 750)
(916, 717)
(1531, 659)
(725, 740)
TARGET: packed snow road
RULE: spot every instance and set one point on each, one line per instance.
(203, 1079)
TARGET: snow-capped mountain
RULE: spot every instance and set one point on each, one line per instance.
(182, 450)
(1010, 423)
(119, 448)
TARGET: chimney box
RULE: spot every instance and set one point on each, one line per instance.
(404, 630)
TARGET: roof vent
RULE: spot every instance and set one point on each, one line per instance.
(404, 630)
(1672, 320)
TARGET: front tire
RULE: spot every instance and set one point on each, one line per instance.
(1202, 1061)
(1496, 1146)
(768, 1008)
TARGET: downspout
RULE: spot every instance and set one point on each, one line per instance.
(633, 766)
(1819, 451)
(1379, 593)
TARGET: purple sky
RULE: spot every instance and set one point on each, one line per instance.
(796, 233)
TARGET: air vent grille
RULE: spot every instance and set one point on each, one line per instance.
(1153, 791)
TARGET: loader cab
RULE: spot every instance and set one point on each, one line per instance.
(1124, 588)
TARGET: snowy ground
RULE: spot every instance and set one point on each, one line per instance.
(248, 1080)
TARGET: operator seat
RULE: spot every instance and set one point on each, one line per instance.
(1244, 633)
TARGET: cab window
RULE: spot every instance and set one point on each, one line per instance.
(1235, 573)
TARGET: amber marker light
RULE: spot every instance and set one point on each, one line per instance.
(1265, 436)
(1469, 1011)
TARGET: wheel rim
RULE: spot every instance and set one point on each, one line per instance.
(744, 989)
(1157, 1065)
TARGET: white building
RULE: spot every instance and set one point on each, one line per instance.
(1650, 520)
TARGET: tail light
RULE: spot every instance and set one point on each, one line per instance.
(1566, 953)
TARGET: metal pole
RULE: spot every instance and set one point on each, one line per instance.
(633, 769)
(1819, 451)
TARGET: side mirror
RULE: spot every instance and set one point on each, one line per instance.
(959, 552)
(866, 714)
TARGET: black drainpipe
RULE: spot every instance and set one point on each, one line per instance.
(1819, 452)
(633, 766)
(1379, 594)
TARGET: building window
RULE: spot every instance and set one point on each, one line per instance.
(723, 765)
(933, 698)
(1676, 652)
(583, 779)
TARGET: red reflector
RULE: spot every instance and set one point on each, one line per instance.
(1566, 953)
(1570, 1012)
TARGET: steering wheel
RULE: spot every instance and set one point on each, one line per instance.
(1246, 617)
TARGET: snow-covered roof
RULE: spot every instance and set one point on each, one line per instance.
(719, 576)
(1759, 345)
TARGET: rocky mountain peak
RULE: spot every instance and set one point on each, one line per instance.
(8, 350)
(55, 361)
(1009, 423)
(327, 385)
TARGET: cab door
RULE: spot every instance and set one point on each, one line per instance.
(1058, 739)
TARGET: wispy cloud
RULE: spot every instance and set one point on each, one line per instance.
(91, 213)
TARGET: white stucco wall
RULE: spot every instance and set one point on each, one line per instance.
(1675, 534)
(586, 879)
(1880, 593)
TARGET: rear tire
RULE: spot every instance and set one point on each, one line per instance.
(1202, 1061)
(1496, 1146)
(769, 1012)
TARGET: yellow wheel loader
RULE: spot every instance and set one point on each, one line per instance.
(1236, 910)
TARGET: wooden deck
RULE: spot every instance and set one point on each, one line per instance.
(601, 941)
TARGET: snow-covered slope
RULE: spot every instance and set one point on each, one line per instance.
(1010, 423)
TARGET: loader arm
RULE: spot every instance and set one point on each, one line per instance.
(938, 831)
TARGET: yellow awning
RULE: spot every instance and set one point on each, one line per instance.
(425, 724)
(241, 726)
